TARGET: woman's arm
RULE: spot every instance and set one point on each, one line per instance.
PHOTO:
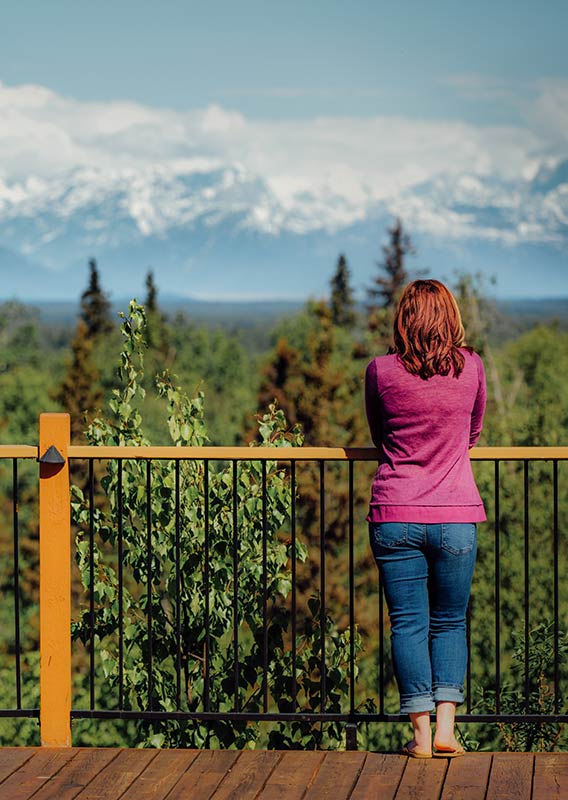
(478, 411)
(372, 404)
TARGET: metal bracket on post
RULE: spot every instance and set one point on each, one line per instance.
(52, 456)
(351, 736)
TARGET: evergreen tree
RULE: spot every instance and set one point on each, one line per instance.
(282, 381)
(316, 377)
(479, 316)
(80, 393)
(387, 287)
(342, 305)
(157, 333)
(151, 303)
(95, 305)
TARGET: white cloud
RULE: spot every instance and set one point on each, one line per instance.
(542, 105)
(475, 86)
(321, 172)
(547, 114)
(360, 159)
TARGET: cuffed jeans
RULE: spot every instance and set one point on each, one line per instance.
(426, 572)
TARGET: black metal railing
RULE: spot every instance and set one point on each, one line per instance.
(509, 603)
(19, 652)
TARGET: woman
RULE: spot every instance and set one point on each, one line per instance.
(425, 403)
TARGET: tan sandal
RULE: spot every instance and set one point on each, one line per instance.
(448, 752)
(413, 753)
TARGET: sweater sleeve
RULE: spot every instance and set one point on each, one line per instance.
(478, 406)
(372, 404)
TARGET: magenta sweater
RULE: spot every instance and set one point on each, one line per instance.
(424, 429)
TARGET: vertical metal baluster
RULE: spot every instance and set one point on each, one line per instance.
(527, 582)
(149, 554)
(351, 598)
(497, 594)
(468, 641)
(92, 584)
(178, 586)
(206, 582)
(322, 588)
(16, 546)
(264, 596)
(381, 649)
(235, 593)
(294, 598)
(120, 590)
(351, 726)
(556, 621)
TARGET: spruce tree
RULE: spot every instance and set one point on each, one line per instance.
(157, 332)
(342, 305)
(95, 305)
(318, 383)
(151, 303)
(393, 275)
(80, 393)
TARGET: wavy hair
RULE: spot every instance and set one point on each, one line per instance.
(428, 330)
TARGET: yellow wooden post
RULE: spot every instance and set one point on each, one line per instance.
(55, 581)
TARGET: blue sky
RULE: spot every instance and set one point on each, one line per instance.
(441, 113)
(295, 59)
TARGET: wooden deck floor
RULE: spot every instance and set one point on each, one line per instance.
(109, 774)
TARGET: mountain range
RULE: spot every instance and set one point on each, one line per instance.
(213, 230)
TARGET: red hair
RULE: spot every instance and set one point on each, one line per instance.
(428, 330)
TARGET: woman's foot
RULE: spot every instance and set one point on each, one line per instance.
(422, 741)
(413, 751)
(448, 751)
(448, 743)
(445, 742)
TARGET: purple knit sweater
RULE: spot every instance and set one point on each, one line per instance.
(424, 429)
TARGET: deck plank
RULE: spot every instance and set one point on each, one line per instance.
(336, 777)
(295, 771)
(109, 773)
(76, 774)
(161, 775)
(422, 778)
(12, 758)
(511, 777)
(550, 776)
(467, 777)
(204, 775)
(40, 768)
(248, 775)
(117, 776)
(380, 777)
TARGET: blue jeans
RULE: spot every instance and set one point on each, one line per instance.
(426, 572)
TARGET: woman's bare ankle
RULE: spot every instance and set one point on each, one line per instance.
(444, 735)
(422, 732)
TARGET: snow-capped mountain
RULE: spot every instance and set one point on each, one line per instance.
(472, 207)
(209, 228)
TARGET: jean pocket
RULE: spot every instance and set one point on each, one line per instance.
(389, 534)
(458, 537)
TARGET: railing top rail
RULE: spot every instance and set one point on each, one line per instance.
(298, 453)
(519, 453)
(274, 453)
(18, 451)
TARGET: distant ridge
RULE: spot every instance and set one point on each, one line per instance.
(247, 312)
(216, 311)
(539, 307)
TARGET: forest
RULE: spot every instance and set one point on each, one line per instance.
(153, 377)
